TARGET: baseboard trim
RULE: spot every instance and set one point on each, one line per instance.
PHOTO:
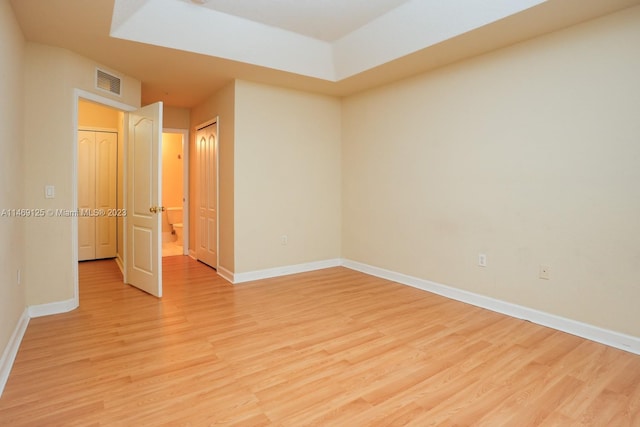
(11, 350)
(285, 270)
(52, 308)
(192, 254)
(594, 333)
(120, 264)
(225, 274)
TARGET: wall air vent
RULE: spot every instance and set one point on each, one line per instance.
(108, 82)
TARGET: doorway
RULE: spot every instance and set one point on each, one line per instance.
(100, 181)
(175, 192)
(142, 130)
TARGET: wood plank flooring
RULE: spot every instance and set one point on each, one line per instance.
(328, 348)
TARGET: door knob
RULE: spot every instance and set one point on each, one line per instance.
(153, 209)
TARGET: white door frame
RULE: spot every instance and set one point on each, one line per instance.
(185, 185)
(77, 94)
(216, 121)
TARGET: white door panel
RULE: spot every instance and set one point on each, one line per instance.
(106, 180)
(86, 195)
(97, 166)
(207, 233)
(144, 200)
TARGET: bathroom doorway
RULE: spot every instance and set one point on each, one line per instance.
(175, 193)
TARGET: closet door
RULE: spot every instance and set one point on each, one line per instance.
(86, 195)
(97, 168)
(207, 226)
(105, 199)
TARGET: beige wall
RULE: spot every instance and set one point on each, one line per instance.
(221, 105)
(175, 118)
(279, 175)
(92, 115)
(12, 247)
(50, 78)
(172, 169)
(529, 154)
(287, 177)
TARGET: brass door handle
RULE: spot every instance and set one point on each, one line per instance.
(156, 209)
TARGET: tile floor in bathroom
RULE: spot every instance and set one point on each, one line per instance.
(171, 249)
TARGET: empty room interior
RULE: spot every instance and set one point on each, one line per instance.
(390, 212)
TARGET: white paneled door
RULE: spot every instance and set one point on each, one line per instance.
(86, 195)
(144, 200)
(97, 162)
(207, 227)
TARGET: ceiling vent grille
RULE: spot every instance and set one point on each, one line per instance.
(108, 82)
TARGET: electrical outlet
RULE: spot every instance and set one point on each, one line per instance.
(482, 260)
(49, 192)
(544, 272)
(284, 239)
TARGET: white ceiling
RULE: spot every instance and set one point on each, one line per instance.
(326, 20)
(277, 33)
(183, 52)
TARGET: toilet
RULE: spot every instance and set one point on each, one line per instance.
(174, 216)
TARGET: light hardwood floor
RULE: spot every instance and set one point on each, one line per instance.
(329, 348)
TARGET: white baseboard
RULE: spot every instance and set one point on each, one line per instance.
(594, 333)
(284, 271)
(192, 254)
(11, 350)
(52, 308)
(120, 264)
(225, 274)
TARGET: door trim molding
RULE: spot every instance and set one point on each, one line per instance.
(207, 123)
(97, 129)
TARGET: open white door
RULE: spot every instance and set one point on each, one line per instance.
(144, 200)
